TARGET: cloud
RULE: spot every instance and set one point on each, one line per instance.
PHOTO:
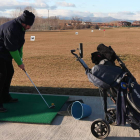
(101, 15)
(13, 4)
(7, 6)
(59, 9)
(63, 13)
(124, 15)
(65, 4)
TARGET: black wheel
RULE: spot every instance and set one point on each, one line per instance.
(111, 116)
(100, 128)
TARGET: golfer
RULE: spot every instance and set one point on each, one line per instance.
(11, 44)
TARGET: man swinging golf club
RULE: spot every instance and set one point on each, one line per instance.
(11, 44)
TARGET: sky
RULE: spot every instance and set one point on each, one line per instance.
(120, 9)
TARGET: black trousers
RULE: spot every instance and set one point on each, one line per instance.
(6, 74)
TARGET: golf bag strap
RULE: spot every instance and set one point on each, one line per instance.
(121, 106)
(104, 95)
(105, 100)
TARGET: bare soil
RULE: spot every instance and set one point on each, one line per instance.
(53, 68)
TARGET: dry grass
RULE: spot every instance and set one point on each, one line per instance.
(50, 64)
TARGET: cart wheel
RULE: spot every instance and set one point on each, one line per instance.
(111, 116)
(100, 128)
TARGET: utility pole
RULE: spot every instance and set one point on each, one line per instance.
(48, 17)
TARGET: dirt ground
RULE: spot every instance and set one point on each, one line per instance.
(50, 64)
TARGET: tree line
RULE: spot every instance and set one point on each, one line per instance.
(43, 24)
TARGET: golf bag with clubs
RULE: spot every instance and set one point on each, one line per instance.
(116, 82)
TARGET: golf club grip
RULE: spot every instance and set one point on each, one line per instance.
(36, 88)
(81, 50)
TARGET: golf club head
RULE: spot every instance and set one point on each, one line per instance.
(53, 106)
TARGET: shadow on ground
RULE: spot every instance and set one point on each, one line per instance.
(122, 138)
(58, 91)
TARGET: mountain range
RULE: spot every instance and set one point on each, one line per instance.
(96, 19)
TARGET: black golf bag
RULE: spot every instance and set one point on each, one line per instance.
(119, 84)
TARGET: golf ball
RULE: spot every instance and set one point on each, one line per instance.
(52, 104)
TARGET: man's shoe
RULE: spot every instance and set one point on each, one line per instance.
(2, 109)
(12, 100)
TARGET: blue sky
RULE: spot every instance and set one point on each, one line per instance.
(121, 9)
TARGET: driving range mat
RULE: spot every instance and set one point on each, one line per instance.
(32, 109)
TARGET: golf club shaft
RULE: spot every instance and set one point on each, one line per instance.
(37, 89)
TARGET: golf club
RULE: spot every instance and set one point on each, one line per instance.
(52, 104)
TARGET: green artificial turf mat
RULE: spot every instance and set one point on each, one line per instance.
(32, 109)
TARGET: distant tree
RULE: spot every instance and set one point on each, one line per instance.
(128, 23)
(76, 21)
(17, 12)
(96, 26)
(3, 20)
(53, 22)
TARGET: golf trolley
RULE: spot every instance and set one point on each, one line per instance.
(115, 82)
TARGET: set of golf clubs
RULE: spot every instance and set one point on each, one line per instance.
(52, 104)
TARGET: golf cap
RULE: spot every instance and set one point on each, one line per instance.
(27, 18)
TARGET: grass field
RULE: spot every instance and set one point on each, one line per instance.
(54, 69)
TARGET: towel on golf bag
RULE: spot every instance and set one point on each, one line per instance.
(121, 106)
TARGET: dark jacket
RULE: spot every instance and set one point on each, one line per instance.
(11, 38)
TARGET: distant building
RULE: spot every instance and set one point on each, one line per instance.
(123, 23)
(81, 24)
(74, 22)
(68, 24)
(86, 23)
(136, 24)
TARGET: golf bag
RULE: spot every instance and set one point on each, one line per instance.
(119, 84)
(124, 88)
